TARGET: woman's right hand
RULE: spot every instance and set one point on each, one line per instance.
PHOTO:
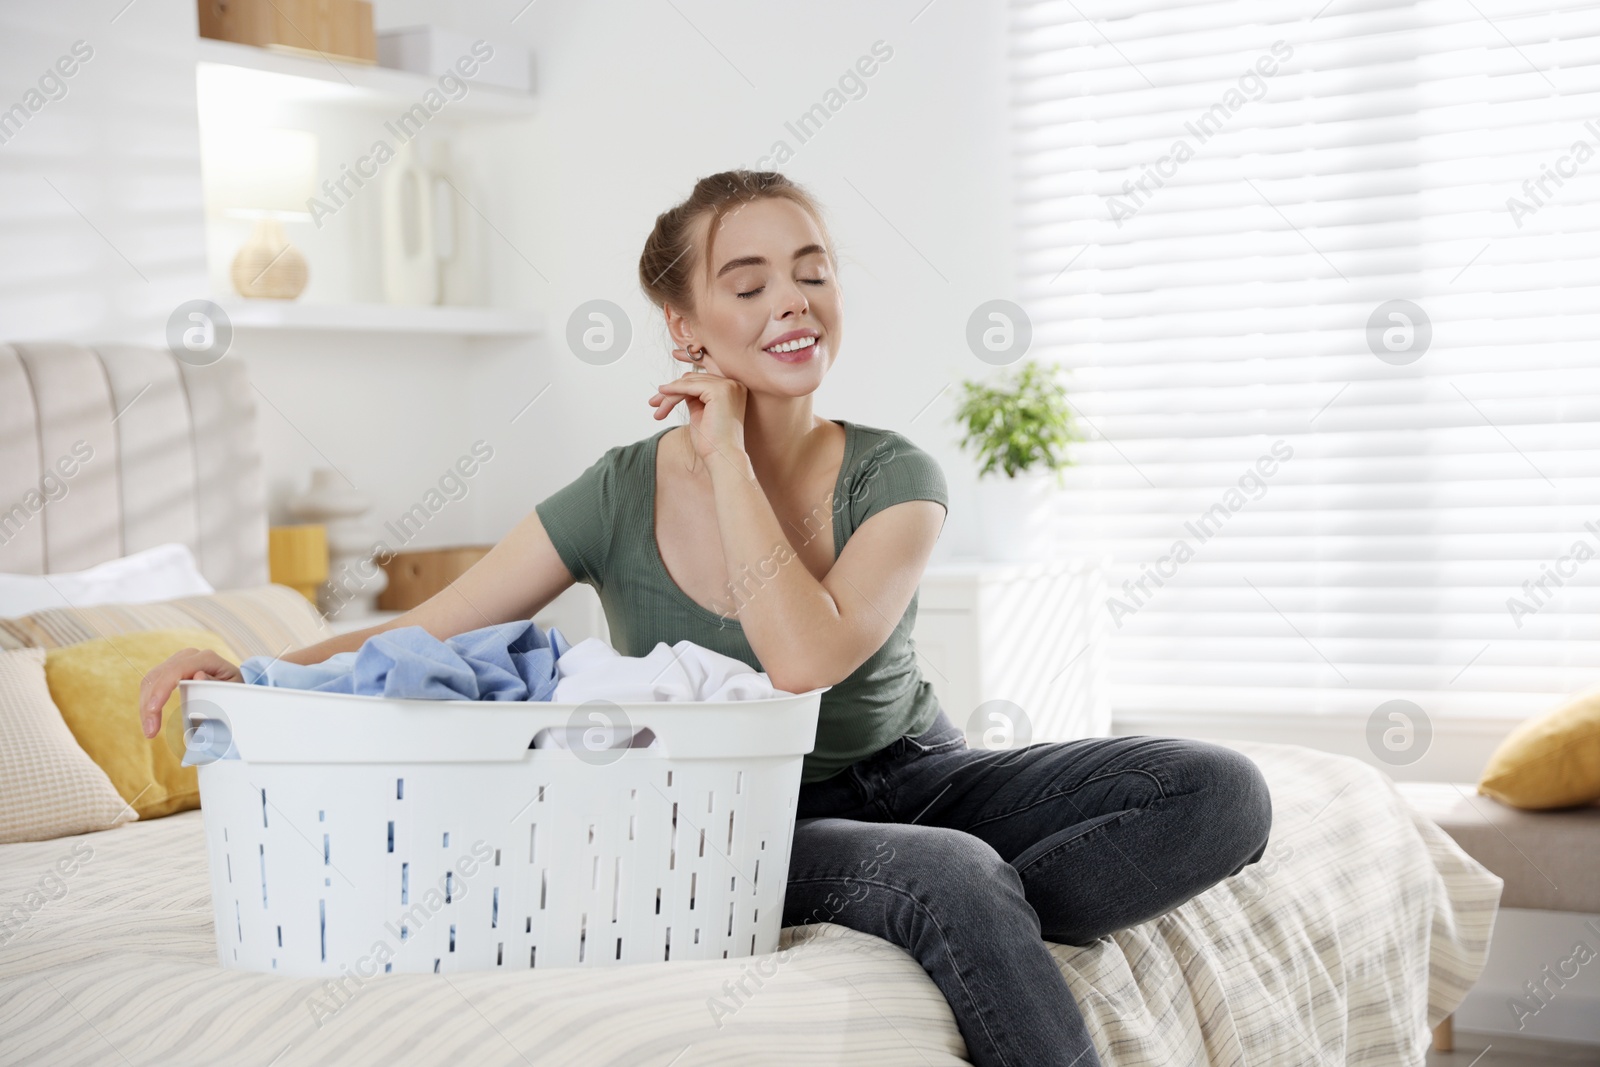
(158, 685)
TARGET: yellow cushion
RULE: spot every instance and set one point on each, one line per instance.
(96, 686)
(1552, 761)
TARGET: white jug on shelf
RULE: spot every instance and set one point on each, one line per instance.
(458, 231)
(410, 260)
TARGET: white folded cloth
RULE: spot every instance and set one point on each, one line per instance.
(593, 670)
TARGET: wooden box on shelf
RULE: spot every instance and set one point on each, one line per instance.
(416, 576)
(342, 28)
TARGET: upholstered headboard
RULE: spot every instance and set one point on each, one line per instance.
(111, 449)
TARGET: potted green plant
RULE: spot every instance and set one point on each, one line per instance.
(1020, 431)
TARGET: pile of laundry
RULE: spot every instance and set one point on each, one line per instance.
(506, 661)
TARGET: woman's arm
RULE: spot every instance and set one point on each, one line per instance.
(513, 580)
(808, 633)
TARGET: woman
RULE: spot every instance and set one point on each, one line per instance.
(796, 544)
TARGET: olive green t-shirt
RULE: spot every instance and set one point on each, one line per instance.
(602, 524)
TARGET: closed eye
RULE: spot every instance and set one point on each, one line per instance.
(757, 289)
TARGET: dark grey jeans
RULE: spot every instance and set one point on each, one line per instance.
(971, 859)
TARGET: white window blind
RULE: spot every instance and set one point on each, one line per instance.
(1204, 248)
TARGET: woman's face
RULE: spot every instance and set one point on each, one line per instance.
(769, 277)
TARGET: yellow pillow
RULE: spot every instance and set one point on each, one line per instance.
(96, 686)
(1552, 761)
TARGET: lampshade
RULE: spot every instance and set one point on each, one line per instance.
(262, 172)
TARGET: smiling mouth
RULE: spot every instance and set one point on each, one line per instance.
(793, 351)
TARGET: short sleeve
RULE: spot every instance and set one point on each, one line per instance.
(579, 519)
(892, 471)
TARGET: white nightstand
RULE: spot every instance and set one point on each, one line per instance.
(1028, 633)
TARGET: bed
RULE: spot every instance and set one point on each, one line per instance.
(1362, 927)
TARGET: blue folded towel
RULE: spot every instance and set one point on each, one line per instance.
(507, 661)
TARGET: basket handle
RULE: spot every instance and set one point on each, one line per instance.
(593, 738)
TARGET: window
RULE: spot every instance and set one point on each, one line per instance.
(1326, 282)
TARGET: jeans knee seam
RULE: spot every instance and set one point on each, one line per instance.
(942, 935)
(1068, 793)
(1048, 853)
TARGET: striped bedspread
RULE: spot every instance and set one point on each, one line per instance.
(1361, 928)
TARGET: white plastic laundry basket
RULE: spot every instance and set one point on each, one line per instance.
(360, 834)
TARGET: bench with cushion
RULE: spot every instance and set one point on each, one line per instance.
(1546, 858)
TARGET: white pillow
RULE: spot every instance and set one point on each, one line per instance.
(159, 573)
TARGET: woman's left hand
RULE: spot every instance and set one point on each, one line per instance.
(716, 410)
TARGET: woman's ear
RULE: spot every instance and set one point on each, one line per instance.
(679, 329)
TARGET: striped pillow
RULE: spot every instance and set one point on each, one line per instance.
(267, 620)
(49, 787)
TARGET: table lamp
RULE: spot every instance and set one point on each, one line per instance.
(267, 175)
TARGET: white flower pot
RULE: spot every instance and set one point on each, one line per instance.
(1014, 516)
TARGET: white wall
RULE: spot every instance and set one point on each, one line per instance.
(637, 101)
